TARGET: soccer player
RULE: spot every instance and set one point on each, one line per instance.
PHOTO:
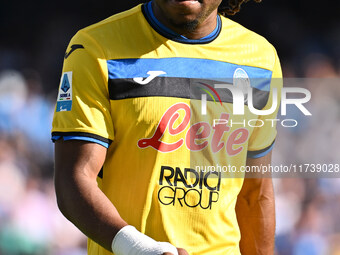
(141, 115)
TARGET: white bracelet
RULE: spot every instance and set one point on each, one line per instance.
(129, 241)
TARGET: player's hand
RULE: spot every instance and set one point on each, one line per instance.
(181, 251)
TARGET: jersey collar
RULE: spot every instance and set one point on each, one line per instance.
(168, 33)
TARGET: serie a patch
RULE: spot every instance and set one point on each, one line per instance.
(64, 100)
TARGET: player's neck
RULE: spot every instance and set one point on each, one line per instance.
(199, 31)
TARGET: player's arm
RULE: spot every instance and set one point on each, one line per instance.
(255, 210)
(83, 112)
(77, 164)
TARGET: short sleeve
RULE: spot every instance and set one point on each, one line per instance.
(263, 136)
(83, 103)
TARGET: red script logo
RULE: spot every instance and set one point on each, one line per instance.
(196, 138)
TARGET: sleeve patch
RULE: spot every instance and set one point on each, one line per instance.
(64, 100)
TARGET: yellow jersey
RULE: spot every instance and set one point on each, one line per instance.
(154, 99)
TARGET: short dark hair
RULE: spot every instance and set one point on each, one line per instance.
(231, 7)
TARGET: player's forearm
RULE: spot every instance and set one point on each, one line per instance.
(86, 206)
(77, 164)
(256, 218)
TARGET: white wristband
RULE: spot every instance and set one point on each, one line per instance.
(129, 241)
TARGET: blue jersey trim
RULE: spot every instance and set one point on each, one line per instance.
(260, 154)
(188, 68)
(162, 29)
(55, 138)
(82, 138)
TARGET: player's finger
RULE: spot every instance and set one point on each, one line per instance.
(182, 251)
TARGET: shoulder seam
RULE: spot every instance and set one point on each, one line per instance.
(84, 33)
(268, 45)
(93, 40)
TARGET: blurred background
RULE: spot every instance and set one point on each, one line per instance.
(34, 36)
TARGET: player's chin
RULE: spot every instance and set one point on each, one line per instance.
(187, 18)
(188, 23)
